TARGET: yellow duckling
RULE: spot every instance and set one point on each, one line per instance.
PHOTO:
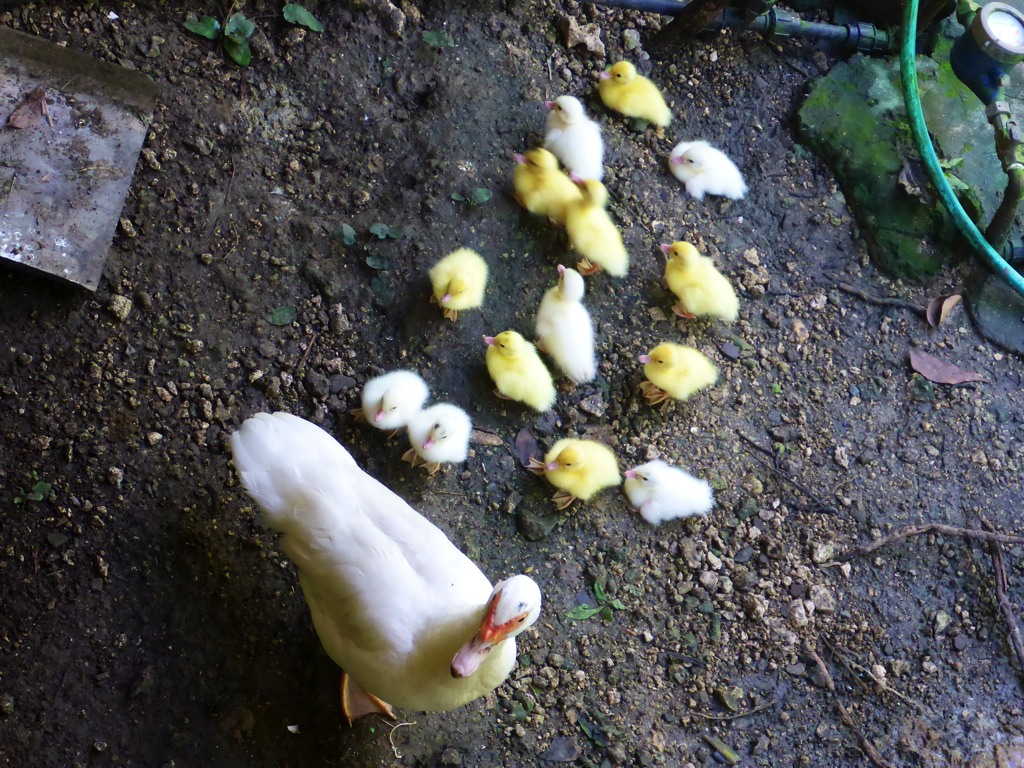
(579, 469)
(458, 281)
(518, 371)
(593, 233)
(541, 187)
(675, 371)
(701, 289)
(623, 90)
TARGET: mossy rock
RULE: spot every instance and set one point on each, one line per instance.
(854, 119)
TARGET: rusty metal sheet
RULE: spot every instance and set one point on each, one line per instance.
(65, 175)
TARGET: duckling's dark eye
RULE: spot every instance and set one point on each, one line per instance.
(437, 426)
(619, 75)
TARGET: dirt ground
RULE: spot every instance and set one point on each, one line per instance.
(148, 621)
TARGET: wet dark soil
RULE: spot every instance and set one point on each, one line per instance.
(147, 620)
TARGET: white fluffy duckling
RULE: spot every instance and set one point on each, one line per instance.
(706, 171)
(661, 492)
(564, 329)
(438, 435)
(391, 399)
(574, 138)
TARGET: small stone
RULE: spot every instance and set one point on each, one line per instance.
(451, 757)
(755, 606)
(594, 405)
(630, 39)
(318, 385)
(929, 667)
(116, 477)
(120, 306)
(798, 616)
(730, 350)
(709, 580)
(841, 458)
(822, 551)
(960, 642)
(942, 621)
(6, 705)
(750, 256)
(822, 598)
(153, 437)
(752, 485)
(56, 540)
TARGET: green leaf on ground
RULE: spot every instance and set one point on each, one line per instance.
(238, 50)
(207, 27)
(296, 14)
(239, 27)
(582, 612)
(39, 491)
(378, 261)
(345, 234)
(439, 39)
(282, 316)
(481, 195)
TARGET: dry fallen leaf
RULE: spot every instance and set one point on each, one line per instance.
(29, 111)
(526, 447)
(938, 309)
(563, 749)
(939, 371)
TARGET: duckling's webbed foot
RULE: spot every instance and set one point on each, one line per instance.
(587, 268)
(412, 457)
(563, 499)
(451, 314)
(654, 394)
(535, 466)
(680, 311)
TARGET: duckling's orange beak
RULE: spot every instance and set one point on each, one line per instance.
(645, 359)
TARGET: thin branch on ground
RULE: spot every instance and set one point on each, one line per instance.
(882, 684)
(759, 708)
(996, 550)
(881, 301)
(869, 749)
(819, 504)
(918, 530)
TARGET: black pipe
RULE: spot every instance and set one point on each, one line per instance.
(853, 37)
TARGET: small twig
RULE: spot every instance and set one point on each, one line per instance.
(882, 684)
(917, 530)
(759, 708)
(1005, 608)
(820, 505)
(391, 738)
(869, 749)
(305, 355)
(881, 301)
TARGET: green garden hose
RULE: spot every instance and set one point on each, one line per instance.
(908, 70)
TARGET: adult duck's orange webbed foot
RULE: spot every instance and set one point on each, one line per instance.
(356, 703)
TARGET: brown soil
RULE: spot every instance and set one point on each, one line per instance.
(148, 621)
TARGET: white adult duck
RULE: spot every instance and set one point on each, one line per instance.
(409, 618)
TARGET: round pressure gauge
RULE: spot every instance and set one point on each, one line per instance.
(998, 29)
